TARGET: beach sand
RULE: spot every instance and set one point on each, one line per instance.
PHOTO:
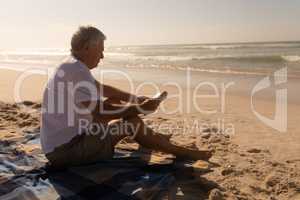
(255, 161)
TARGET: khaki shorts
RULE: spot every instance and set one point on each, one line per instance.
(82, 149)
(85, 149)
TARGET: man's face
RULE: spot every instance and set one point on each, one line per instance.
(94, 53)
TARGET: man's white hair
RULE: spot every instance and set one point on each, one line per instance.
(85, 35)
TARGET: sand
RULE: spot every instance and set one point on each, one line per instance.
(256, 162)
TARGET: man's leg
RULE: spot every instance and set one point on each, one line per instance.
(147, 138)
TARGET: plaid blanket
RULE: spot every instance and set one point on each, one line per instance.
(126, 176)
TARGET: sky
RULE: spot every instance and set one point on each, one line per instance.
(50, 23)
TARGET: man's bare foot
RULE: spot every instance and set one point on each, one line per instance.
(195, 155)
(167, 136)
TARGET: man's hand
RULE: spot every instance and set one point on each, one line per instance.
(149, 106)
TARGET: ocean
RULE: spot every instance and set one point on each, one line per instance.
(235, 58)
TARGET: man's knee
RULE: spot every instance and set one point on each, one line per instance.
(112, 101)
(134, 126)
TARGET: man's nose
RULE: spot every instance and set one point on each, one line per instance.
(101, 55)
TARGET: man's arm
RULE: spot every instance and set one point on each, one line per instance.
(104, 112)
(114, 93)
(117, 94)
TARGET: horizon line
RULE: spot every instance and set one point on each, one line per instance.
(171, 44)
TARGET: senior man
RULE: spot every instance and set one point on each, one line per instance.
(73, 96)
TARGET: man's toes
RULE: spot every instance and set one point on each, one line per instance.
(207, 154)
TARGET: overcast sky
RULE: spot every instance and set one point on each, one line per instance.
(50, 23)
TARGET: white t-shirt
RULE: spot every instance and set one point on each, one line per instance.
(63, 117)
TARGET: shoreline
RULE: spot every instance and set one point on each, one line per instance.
(243, 84)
